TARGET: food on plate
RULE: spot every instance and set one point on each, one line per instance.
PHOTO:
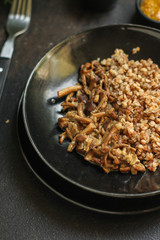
(112, 115)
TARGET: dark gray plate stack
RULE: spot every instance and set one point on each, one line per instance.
(65, 173)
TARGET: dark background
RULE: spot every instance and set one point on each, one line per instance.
(28, 210)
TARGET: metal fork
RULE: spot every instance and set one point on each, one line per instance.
(17, 23)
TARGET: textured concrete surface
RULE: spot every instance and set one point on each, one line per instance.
(28, 210)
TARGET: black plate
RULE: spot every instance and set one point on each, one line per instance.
(58, 69)
(77, 195)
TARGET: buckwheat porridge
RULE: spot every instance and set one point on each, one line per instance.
(112, 115)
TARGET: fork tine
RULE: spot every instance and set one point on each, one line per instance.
(19, 7)
(29, 7)
(14, 6)
(23, 6)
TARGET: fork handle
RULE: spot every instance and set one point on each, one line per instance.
(4, 66)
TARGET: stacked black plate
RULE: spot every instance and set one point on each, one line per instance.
(65, 173)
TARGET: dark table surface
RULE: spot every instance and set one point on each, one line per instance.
(28, 210)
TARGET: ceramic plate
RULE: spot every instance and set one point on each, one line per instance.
(41, 108)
